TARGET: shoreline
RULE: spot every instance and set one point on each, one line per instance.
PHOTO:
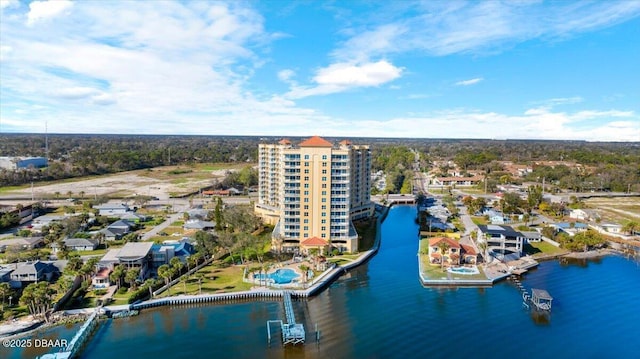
(320, 283)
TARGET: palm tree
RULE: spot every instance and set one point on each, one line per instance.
(116, 276)
(131, 277)
(81, 193)
(483, 247)
(5, 290)
(200, 277)
(443, 247)
(304, 270)
(164, 271)
(192, 261)
(631, 227)
(184, 280)
(176, 264)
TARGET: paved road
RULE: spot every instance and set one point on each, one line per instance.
(469, 226)
(159, 228)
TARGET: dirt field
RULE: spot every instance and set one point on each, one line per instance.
(619, 210)
(161, 182)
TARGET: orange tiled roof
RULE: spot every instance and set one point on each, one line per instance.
(316, 141)
(345, 142)
(468, 249)
(449, 241)
(314, 241)
(284, 141)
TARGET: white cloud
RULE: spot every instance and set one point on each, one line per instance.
(352, 75)
(444, 28)
(469, 82)
(286, 75)
(41, 10)
(75, 92)
(7, 3)
(341, 77)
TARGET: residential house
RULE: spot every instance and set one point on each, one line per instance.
(135, 217)
(101, 279)
(118, 229)
(112, 210)
(496, 217)
(24, 243)
(45, 220)
(131, 255)
(611, 228)
(452, 254)
(503, 242)
(77, 244)
(468, 254)
(163, 253)
(532, 236)
(198, 213)
(37, 271)
(5, 273)
(584, 214)
(457, 181)
(199, 225)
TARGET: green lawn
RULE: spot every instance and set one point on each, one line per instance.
(542, 248)
(435, 272)
(479, 220)
(93, 253)
(216, 280)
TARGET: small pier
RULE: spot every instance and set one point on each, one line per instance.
(292, 332)
(78, 340)
(540, 298)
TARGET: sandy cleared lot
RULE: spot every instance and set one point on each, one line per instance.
(158, 182)
(616, 209)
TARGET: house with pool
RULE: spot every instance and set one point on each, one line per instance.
(503, 242)
(451, 252)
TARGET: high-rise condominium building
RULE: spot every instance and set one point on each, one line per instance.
(313, 191)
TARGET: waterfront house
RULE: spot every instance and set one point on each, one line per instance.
(451, 254)
(101, 279)
(468, 254)
(112, 210)
(24, 243)
(531, 236)
(5, 273)
(131, 255)
(37, 271)
(503, 242)
(163, 253)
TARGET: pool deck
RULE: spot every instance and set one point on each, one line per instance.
(494, 271)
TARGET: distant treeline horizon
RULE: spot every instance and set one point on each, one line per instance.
(614, 165)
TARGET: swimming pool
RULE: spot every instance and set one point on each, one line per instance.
(464, 270)
(280, 276)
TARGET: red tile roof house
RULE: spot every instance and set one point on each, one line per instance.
(455, 254)
(451, 255)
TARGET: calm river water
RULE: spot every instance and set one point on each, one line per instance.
(380, 310)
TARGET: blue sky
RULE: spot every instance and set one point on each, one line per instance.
(433, 69)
